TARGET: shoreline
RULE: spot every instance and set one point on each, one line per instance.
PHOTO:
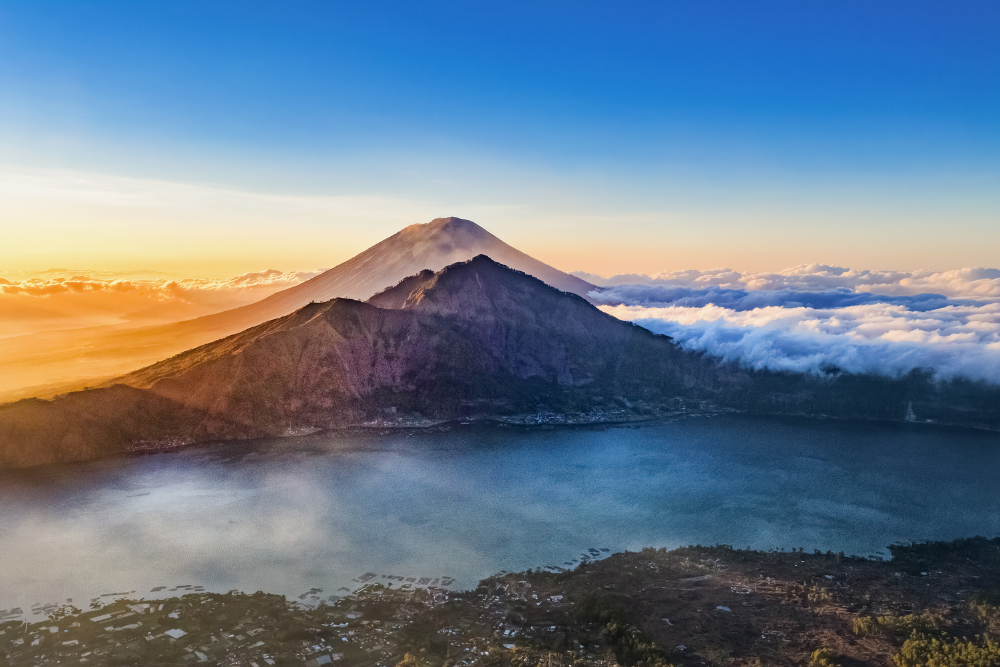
(595, 556)
(540, 420)
(690, 606)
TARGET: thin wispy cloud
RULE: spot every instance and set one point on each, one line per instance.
(54, 185)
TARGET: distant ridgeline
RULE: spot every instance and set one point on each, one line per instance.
(474, 340)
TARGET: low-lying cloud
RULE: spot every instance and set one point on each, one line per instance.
(746, 299)
(63, 299)
(162, 288)
(814, 317)
(973, 282)
(885, 338)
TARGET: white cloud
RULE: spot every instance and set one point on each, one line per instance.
(972, 282)
(61, 299)
(31, 187)
(807, 317)
(184, 288)
(884, 338)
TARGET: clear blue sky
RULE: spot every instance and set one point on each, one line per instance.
(817, 130)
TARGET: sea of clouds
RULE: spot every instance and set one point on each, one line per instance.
(164, 288)
(67, 299)
(811, 317)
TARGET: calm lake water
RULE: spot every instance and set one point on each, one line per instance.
(291, 515)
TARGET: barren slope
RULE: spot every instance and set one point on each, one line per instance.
(53, 362)
(476, 339)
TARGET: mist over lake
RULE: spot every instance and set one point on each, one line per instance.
(468, 501)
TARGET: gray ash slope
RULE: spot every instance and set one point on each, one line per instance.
(473, 339)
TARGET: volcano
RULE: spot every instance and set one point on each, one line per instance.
(55, 362)
(476, 339)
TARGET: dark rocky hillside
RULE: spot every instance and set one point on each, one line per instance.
(476, 339)
(55, 362)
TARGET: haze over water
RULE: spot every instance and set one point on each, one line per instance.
(289, 515)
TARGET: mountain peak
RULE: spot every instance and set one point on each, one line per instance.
(428, 246)
(453, 223)
(475, 338)
(449, 234)
(432, 246)
(473, 282)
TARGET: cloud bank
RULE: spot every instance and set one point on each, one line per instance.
(744, 299)
(814, 317)
(162, 288)
(973, 282)
(885, 338)
(63, 299)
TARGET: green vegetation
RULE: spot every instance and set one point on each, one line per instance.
(924, 651)
(630, 645)
(899, 626)
(986, 607)
(824, 657)
(416, 660)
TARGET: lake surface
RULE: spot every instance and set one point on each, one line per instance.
(291, 515)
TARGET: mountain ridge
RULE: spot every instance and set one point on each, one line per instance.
(420, 247)
(473, 340)
(445, 296)
(56, 362)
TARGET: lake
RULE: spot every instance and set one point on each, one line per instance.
(319, 512)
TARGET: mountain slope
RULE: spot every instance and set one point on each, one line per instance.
(475, 333)
(66, 360)
(518, 345)
(474, 339)
(431, 246)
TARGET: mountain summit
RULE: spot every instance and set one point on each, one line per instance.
(475, 338)
(431, 246)
(63, 361)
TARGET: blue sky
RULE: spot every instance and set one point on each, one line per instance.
(653, 133)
